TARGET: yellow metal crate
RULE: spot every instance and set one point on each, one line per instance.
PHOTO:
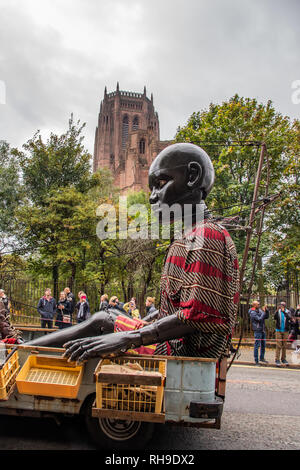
(8, 374)
(139, 394)
(49, 376)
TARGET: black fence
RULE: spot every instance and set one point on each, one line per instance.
(25, 294)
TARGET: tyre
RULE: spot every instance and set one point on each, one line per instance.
(114, 433)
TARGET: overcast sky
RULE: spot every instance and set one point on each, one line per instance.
(56, 56)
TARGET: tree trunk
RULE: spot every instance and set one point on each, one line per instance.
(260, 281)
(144, 291)
(55, 281)
(123, 289)
(73, 275)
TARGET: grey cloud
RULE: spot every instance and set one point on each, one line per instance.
(188, 53)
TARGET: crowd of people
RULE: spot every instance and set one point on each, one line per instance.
(130, 308)
(287, 330)
(64, 310)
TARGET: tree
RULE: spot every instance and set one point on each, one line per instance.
(59, 163)
(231, 134)
(57, 221)
(11, 193)
(11, 196)
(284, 224)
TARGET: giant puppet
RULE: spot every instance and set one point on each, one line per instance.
(199, 281)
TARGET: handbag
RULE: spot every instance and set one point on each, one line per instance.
(66, 318)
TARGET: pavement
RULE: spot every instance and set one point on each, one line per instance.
(245, 356)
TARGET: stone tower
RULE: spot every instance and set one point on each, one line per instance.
(127, 138)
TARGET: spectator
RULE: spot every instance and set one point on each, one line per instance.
(103, 302)
(131, 308)
(150, 305)
(151, 311)
(8, 334)
(47, 308)
(83, 309)
(5, 301)
(282, 318)
(114, 303)
(70, 298)
(64, 314)
(258, 317)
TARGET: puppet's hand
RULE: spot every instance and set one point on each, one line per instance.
(82, 349)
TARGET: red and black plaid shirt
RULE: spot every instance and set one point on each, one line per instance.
(200, 285)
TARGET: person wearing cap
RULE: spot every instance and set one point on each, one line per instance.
(258, 317)
(282, 318)
(83, 309)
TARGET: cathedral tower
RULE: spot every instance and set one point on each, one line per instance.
(127, 137)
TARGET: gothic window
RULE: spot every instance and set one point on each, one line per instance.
(135, 123)
(142, 146)
(125, 126)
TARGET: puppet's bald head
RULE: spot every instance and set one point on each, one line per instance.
(182, 173)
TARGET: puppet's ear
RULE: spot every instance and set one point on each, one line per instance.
(194, 175)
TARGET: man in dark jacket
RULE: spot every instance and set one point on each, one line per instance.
(258, 317)
(282, 318)
(47, 309)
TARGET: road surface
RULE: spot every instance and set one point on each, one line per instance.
(262, 411)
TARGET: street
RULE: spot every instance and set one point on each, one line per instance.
(261, 412)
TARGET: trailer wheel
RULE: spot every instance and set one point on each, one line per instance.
(116, 433)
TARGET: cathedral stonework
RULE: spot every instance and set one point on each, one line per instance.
(127, 138)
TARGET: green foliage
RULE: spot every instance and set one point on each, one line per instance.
(229, 132)
(58, 163)
(11, 193)
(49, 198)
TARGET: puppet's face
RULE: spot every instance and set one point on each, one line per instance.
(168, 185)
(180, 174)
